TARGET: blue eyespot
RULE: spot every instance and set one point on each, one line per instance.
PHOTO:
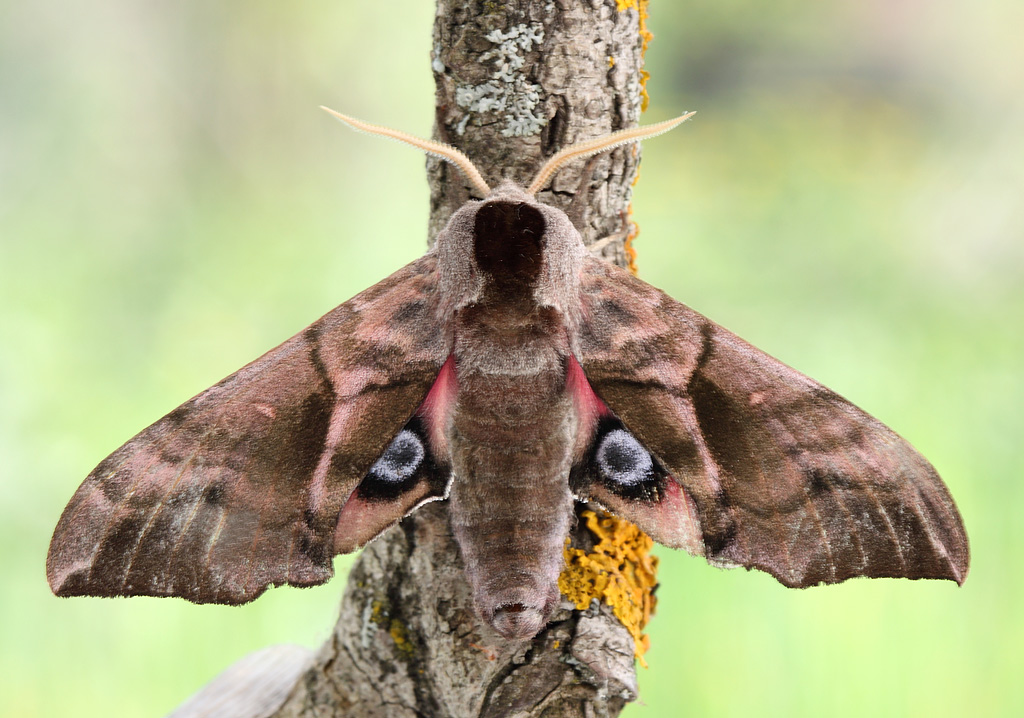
(622, 459)
(400, 460)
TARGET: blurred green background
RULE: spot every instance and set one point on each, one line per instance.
(850, 198)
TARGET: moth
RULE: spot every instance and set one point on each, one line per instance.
(511, 373)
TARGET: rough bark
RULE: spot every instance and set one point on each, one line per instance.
(516, 81)
(510, 100)
(408, 644)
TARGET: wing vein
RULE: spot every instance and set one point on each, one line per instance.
(939, 546)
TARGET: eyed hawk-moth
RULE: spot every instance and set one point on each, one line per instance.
(511, 373)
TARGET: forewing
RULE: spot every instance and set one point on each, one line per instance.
(775, 471)
(242, 487)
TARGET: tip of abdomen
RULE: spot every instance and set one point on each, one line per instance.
(517, 620)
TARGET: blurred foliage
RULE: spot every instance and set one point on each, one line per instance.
(173, 203)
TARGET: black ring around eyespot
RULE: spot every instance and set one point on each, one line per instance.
(621, 463)
(402, 466)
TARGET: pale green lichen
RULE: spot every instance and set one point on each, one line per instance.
(618, 571)
(508, 91)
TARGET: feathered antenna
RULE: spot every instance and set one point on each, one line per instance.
(463, 163)
(601, 144)
(438, 149)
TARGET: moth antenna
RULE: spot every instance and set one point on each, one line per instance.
(437, 149)
(601, 144)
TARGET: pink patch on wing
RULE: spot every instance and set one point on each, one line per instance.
(672, 520)
(361, 520)
(437, 406)
(677, 513)
(589, 407)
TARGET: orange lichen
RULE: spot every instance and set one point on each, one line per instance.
(401, 638)
(619, 571)
(645, 37)
(634, 230)
(379, 615)
(641, 6)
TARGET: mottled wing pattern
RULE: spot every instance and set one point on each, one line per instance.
(242, 487)
(776, 472)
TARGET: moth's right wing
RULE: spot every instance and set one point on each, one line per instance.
(709, 444)
(308, 451)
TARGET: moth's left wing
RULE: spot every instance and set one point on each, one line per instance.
(749, 461)
(308, 451)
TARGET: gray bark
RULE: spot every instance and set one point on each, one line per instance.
(516, 81)
(580, 80)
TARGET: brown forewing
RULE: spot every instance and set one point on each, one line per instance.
(241, 487)
(786, 476)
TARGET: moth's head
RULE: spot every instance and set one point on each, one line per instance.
(511, 244)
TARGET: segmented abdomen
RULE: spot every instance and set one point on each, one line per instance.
(511, 440)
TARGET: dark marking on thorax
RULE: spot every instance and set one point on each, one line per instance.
(508, 245)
